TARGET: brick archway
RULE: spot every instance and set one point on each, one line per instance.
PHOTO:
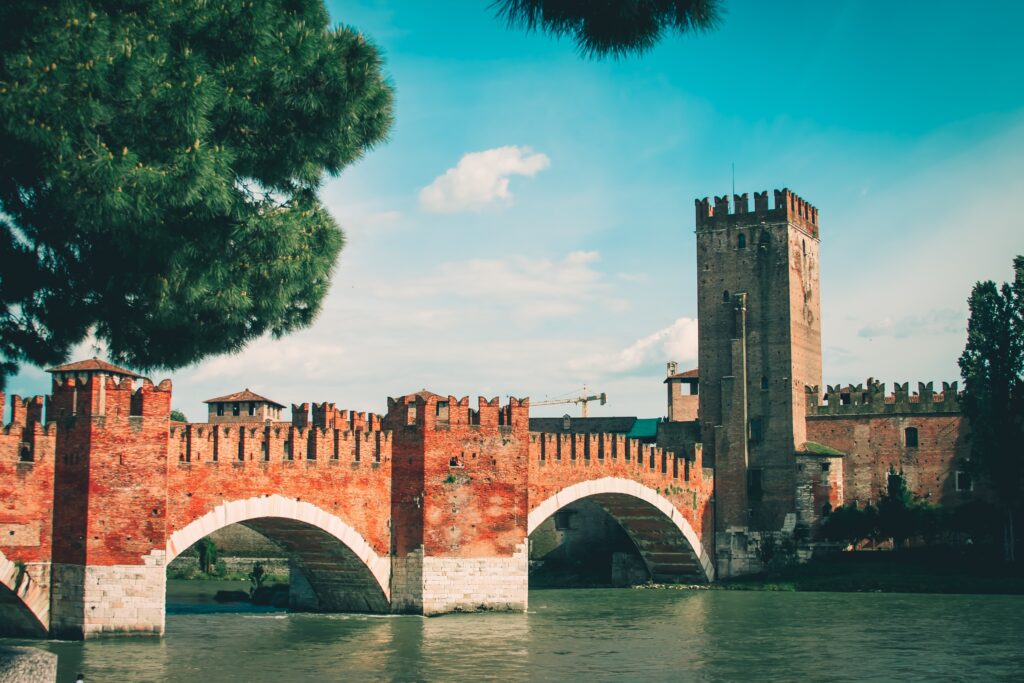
(665, 539)
(316, 537)
(24, 604)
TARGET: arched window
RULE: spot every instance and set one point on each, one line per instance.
(725, 297)
(910, 437)
(741, 241)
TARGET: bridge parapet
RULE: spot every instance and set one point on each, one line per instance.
(670, 489)
(283, 442)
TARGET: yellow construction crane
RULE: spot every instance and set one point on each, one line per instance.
(582, 400)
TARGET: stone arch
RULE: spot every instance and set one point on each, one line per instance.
(345, 560)
(24, 604)
(662, 544)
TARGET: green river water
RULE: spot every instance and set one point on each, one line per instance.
(579, 635)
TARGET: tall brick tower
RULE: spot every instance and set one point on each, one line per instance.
(760, 344)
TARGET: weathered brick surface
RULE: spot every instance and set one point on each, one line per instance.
(874, 442)
(759, 345)
(460, 503)
(26, 482)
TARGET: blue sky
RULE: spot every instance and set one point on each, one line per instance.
(528, 228)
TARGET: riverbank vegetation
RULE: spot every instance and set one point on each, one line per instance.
(934, 569)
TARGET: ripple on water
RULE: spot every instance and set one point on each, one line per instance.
(588, 635)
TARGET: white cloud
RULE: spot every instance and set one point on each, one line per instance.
(532, 287)
(481, 178)
(676, 342)
(939, 321)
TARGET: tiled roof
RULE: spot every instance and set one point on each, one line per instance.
(689, 374)
(424, 394)
(93, 365)
(244, 395)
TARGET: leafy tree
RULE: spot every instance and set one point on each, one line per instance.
(850, 524)
(159, 167)
(256, 577)
(992, 366)
(207, 550)
(178, 416)
(610, 27)
(896, 517)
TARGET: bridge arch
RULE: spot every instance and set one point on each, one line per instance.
(666, 540)
(341, 567)
(24, 604)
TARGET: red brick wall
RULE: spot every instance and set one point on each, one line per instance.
(357, 491)
(476, 507)
(110, 474)
(26, 488)
(874, 442)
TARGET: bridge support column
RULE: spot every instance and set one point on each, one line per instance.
(90, 601)
(439, 585)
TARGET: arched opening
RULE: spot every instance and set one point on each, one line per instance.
(326, 565)
(24, 606)
(741, 241)
(628, 533)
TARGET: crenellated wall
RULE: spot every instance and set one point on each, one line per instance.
(871, 428)
(426, 509)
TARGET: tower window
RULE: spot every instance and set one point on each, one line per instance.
(756, 430)
(963, 481)
(725, 297)
(910, 437)
(764, 383)
(803, 244)
(755, 487)
(252, 408)
(220, 410)
(741, 241)
(236, 409)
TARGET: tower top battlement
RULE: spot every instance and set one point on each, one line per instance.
(789, 207)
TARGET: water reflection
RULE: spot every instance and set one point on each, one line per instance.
(588, 635)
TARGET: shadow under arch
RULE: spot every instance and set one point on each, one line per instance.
(343, 571)
(669, 546)
(24, 605)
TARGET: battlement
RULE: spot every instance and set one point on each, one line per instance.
(24, 411)
(433, 411)
(547, 447)
(858, 400)
(98, 395)
(789, 207)
(327, 416)
(282, 441)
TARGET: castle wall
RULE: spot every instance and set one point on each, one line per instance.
(870, 427)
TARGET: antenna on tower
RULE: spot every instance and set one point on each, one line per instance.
(734, 179)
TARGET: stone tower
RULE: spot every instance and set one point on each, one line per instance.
(759, 345)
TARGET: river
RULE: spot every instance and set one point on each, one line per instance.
(578, 635)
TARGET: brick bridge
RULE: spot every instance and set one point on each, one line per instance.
(427, 509)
